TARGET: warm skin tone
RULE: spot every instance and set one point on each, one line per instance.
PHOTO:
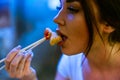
(72, 24)
(102, 62)
(18, 65)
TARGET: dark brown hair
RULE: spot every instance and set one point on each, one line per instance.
(109, 13)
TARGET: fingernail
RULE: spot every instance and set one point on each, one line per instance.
(18, 47)
(30, 52)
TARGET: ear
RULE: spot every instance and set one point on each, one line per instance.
(107, 28)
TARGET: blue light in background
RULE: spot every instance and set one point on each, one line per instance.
(53, 3)
(39, 14)
(40, 9)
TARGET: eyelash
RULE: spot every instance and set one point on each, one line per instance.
(70, 9)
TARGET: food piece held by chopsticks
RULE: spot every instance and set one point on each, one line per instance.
(54, 38)
(47, 33)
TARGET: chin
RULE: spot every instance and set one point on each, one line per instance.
(70, 53)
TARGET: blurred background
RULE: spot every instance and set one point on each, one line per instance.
(21, 23)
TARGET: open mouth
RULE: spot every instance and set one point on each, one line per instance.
(64, 37)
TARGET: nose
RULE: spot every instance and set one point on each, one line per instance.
(59, 19)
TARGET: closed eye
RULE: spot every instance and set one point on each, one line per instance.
(72, 10)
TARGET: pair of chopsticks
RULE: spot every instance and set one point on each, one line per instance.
(29, 47)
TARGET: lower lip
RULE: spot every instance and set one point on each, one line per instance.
(61, 43)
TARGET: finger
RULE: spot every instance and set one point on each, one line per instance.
(28, 63)
(10, 56)
(15, 63)
(20, 68)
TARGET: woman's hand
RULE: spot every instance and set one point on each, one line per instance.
(18, 64)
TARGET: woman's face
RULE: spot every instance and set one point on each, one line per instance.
(72, 28)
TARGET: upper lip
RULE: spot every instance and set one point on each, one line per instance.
(61, 33)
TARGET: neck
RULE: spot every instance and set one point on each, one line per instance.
(104, 56)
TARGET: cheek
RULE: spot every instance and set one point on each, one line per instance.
(81, 37)
(70, 17)
(78, 27)
(78, 39)
(78, 35)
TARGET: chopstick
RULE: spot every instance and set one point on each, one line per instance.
(2, 60)
(33, 45)
(2, 67)
(29, 47)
